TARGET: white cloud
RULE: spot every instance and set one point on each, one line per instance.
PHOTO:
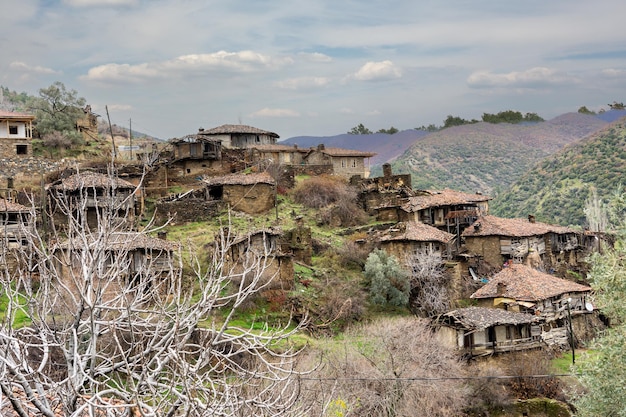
(267, 112)
(614, 73)
(23, 67)
(373, 71)
(315, 57)
(373, 113)
(532, 78)
(100, 3)
(117, 107)
(346, 110)
(243, 61)
(302, 83)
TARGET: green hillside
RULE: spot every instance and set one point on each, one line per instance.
(555, 190)
(488, 157)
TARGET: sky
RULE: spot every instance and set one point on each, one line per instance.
(316, 67)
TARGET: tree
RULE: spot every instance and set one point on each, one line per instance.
(388, 282)
(585, 110)
(360, 130)
(91, 328)
(456, 121)
(57, 110)
(616, 106)
(602, 373)
(392, 130)
(429, 284)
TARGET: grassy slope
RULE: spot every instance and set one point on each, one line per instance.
(555, 190)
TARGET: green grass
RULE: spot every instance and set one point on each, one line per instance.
(20, 318)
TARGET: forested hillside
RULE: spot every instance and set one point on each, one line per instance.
(488, 157)
(556, 189)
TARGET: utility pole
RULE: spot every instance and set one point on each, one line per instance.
(114, 154)
(130, 137)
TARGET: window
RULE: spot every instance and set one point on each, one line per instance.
(12, 130)
(21, 149)
(343, 163)
(354, 163)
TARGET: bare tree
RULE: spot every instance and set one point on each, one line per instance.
(429, 283)
(103, 321)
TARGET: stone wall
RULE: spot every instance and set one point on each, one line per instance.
(187, 210)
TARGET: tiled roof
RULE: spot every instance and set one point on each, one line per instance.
(415, 231)
(327, 151)
(279, 148)
(237, 129)
(6, 205)
(523, 283)
(498, 226)
(195, 138)
(88, 179)
(271, 231)
(345, 152)
(442, 198)
(126, 241)
(240, 179)
(12, 115)
(480, 318)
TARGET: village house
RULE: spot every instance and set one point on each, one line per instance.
(387, 191)
(196, 154)
(480, 331)
(497, 240)
(315, 160)
(406, 239)
(253, 193)
(15, 134)
(133, 257)
(16, 224)
(91, 197)
(239, 136)
(260, 251)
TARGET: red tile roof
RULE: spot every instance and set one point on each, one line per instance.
(237, 129)
(12, 115)
(415, 231)
(442, 198)
(523, 283)
(12, 207)
(345, 152)
(498, 226)
(240, 179)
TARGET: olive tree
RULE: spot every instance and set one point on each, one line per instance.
(104, 321)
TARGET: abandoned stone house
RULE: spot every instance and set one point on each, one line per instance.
(15, 134)
(239, 136)
(260, 251)
(196, 154)
(480, 331)
(253, 193)
(387, 191)
(91, 198)
(496, 240)
(17, 223)
(316, 160)
(405, 239)
(133, 258)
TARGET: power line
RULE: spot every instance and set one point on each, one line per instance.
(443, 378)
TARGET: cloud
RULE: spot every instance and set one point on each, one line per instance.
(374, 71)
(315, 57)
(100, 3)
(23, 67)
(346, 110)
(302, 83)
(373, 113)
(267, 112)
(118, 107)
(532, 78)
(185, 65)
(614, 73)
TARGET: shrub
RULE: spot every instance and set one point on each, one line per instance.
(388, 283)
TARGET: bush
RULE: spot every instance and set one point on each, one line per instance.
(322, 191)
(388, 283)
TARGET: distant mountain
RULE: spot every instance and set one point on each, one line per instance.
(611, 115)
(488, 157)
(555, 190)
(387, 147)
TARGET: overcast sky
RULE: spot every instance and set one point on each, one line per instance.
(316, 67)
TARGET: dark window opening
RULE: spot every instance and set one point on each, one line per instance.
(216, 193)
(21, 149)
(12, 130)
(188, 171)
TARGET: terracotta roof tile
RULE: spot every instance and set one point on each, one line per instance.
(521, 282)
(127, 241)
(498, 226)
(442, 198)
(88, 179)
(237, 129)
(415, 231)
(9, 206)
(240, 179)
(13, 115)
(345, 152)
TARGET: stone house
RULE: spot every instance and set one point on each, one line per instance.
(15, 134)
(253, 193)
(497, 240)
(387, 191)
(480, 331)
(90, 198)
(16, 224)
(239, 136)
(196, 154)
(260, 251)
(407, 238)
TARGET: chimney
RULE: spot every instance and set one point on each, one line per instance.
(295, 146)
(200, 129)
(387, 173)
(321, 147)
(477, 227)
(531, 218)
(500, 289)
(10, 183)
